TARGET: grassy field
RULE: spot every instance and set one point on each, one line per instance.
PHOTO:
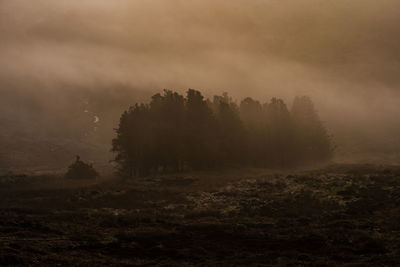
(338, 215)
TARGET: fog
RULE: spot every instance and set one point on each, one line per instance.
(55, 55)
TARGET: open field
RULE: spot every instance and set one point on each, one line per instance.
(339, 215)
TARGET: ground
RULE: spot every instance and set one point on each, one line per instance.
(337, 215)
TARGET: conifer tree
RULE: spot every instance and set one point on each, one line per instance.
(312, 140)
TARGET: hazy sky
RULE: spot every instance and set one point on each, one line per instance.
(345, 53)
(254, 45)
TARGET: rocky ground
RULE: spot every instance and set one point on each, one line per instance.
(339, 215)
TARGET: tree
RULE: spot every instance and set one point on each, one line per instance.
(168, 115)
(254, 119)
(312, 140)
(251, 112)
(280, 135)
(134, 142)
(230, 131)
(200, 145)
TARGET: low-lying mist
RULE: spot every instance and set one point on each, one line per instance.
(64, 63)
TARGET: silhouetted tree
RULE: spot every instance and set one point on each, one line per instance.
(255, 121)
(168, 114)
(200, 140)
(230, 131)
(280, 134)
(312, 140)
(81, 170)
(134, 144)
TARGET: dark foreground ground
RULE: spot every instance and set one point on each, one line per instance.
(341, 215)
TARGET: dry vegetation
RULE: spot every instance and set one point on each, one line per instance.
(343, 214)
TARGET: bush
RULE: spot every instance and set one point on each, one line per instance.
(81, 170)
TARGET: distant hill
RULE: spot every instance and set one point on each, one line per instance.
(45, 131)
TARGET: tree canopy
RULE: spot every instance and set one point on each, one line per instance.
(176, 133)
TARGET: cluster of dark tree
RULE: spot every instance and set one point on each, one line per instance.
(176, 133)
(81, 170)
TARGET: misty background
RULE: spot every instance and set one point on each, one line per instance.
(69, 68)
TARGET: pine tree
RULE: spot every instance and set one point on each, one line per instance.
(280, 135)
(312, 140)
(200, 145)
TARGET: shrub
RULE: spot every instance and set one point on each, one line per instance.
(81, 170)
